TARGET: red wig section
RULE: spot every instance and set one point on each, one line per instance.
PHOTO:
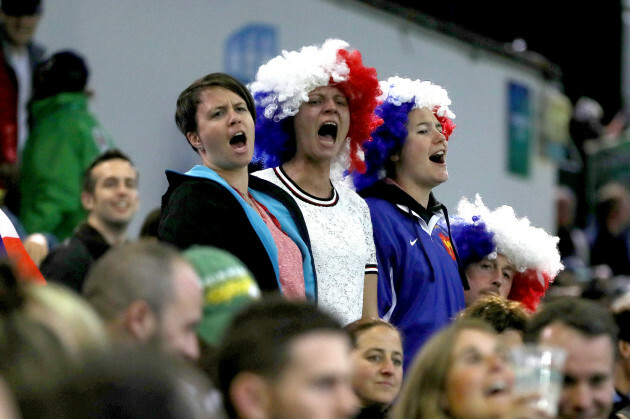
(447, 125)
(362, 90)
(528, 289)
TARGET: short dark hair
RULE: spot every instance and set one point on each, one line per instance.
(587, 317)
(21, 7)
(89, 183)
(188, 100)
(258, 338)
(64, 71)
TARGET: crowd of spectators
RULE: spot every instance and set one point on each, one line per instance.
(331, 283)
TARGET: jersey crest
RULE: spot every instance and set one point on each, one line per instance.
(447, 244)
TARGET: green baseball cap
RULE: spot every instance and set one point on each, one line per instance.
(228, 286)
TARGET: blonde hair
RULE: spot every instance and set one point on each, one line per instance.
(424, 389)
(43, 328)
(68, 315)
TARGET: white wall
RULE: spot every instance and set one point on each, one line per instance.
(142, 53)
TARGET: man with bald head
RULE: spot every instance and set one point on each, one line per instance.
(146, 292)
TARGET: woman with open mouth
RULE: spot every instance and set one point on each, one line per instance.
(463, 372)
(419, 278)
(217, 203)
(315, 108)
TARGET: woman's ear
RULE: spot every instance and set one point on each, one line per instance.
(194, 140)
(395, 157)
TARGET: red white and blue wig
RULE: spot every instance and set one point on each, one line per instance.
(282, 85)
(400, 96)
(481, 233)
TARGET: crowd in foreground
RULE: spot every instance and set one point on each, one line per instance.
(303, 269)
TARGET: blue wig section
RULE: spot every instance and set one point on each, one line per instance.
(386, 140)
(273, 145)
(472, 240)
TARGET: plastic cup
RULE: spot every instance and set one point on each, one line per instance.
(538, 372)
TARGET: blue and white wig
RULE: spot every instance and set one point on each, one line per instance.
(479, 233)
(282, 85)
(400, 96)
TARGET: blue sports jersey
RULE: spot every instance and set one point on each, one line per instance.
(419, 281)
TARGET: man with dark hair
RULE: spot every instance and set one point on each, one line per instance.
(18, 56)
(66, 137)
(286, 359)
(587, 332)
(147, 293)
(110, 195)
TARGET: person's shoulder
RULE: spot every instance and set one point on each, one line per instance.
(348, 194)
(383, 213)
(346, 189)
(276, 192)
(267, 174)
(379, 203)
(68, 263)
(192, 194)
(266, 181)
(67, 252)
(183, 184)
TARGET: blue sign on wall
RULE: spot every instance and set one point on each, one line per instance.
(519, 129)
(248, 48)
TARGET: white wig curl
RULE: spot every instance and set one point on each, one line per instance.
(398, 90)
(526, 246)
(294, 74)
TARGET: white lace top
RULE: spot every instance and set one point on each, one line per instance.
(340, 230)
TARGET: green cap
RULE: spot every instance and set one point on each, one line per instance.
(227, 284)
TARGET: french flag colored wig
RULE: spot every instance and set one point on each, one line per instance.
(283, 84)
(479, 233)
(400, 96)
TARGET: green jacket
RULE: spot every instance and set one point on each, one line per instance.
(64, 140)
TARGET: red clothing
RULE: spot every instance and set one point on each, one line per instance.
(8, 113)
(289, 256)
